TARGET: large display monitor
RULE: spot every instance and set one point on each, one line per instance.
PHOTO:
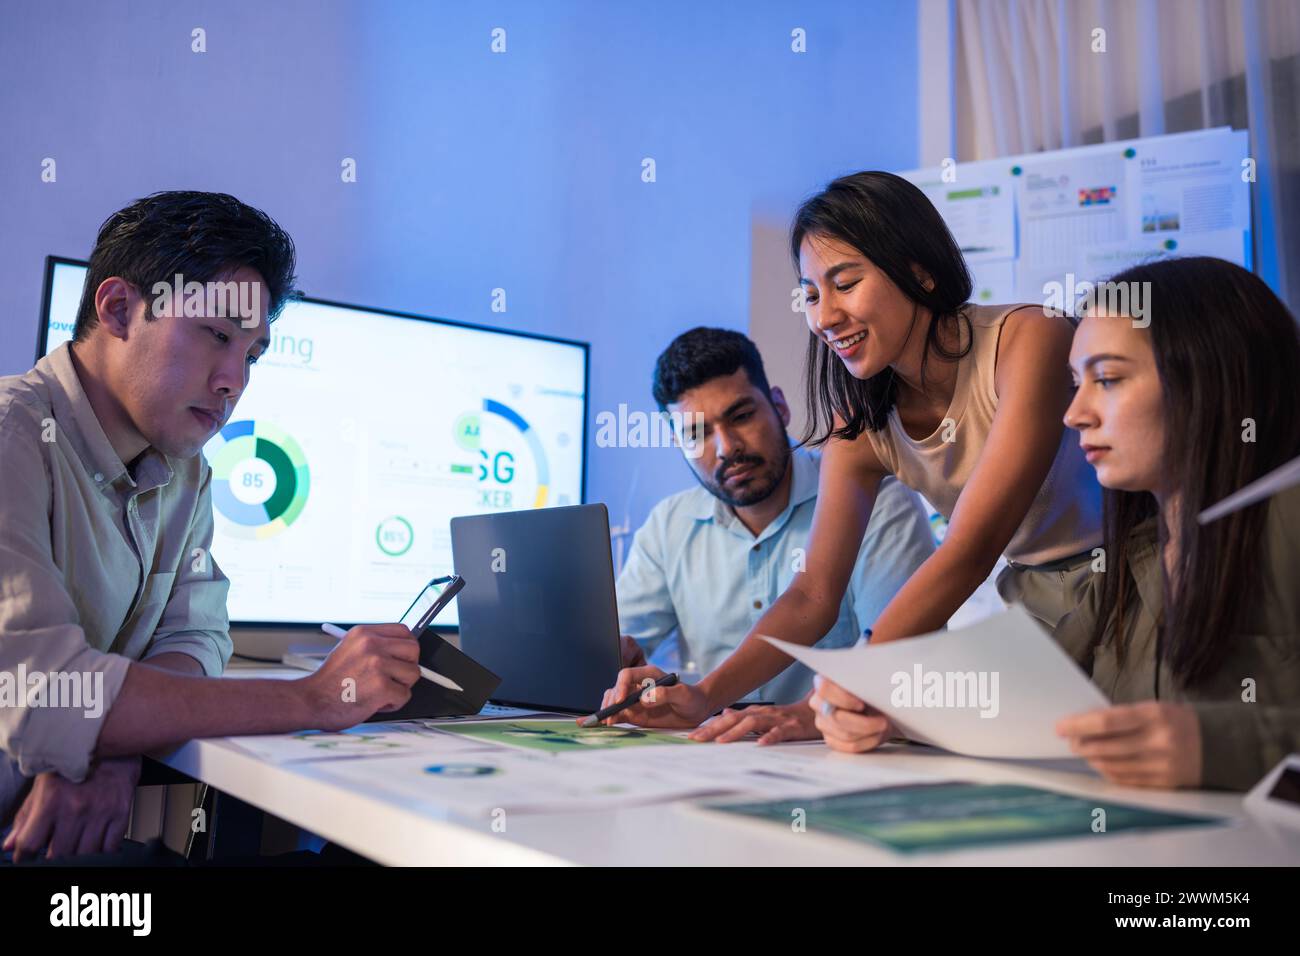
(361, 434)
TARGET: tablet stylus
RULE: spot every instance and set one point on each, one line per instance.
(333, 630)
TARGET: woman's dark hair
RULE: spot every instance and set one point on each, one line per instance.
(202, 236)
(1226, 350)
(892, 223)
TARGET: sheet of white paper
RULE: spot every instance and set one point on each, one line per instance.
(1190, 184)
(994, 689)
(1102, 260)
(1066, 201)
(979, 209)
(993, 281)
(364, 740)
(479, 784)
(744, 768)
(498, 712)
(483, 783)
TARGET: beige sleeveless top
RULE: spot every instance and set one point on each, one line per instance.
(1065, 516)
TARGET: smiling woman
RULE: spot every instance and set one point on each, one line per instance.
(917, 381)
(960, 402)
(878, 228)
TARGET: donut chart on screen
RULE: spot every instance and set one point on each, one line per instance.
(502, 410)
(260, 479)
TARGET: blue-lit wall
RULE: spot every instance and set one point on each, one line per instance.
(475, 170)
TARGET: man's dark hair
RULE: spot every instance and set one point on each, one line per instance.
(703, 354)
(202, 236)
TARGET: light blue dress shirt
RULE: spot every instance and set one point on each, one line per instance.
(694, 568)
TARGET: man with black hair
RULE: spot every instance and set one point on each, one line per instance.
(113, 618)
(708, 562)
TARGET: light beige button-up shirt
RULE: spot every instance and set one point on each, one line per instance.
(99, 565)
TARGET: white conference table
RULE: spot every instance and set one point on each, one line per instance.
(397, 832)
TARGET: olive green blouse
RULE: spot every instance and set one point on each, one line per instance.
(1250, 709)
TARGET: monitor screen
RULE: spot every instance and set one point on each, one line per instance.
(361, 434)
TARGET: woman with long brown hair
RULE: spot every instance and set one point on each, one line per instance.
(1194, 630)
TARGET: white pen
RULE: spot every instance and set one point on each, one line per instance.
(333, 630)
